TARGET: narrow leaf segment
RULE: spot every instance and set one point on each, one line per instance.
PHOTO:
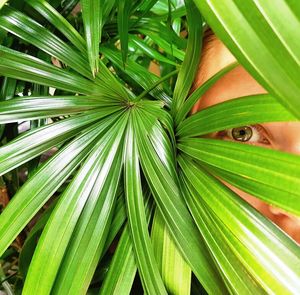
(92, 20)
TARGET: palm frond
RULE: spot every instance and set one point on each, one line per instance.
(130, 198)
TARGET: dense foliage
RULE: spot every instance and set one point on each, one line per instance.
(108, 186)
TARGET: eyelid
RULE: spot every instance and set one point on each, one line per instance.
(260, 134)
(265, 138)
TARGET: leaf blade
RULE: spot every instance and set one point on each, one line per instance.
(268, 167)
(29, 108)
(60, 227)
(263, 240)
(243, 111)
(40, 187)
(92, 19)
(57, 20)
(169, 201)
(29, 30)
(259, 56)
(192, 57)
(28, 68)
(37, 141)
(138, 226)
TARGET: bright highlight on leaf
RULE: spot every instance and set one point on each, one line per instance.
(2, 2)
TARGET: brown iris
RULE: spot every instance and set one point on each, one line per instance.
(243, 133)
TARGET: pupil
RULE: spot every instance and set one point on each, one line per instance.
(242, 133)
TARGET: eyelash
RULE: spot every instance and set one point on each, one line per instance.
(258, 132)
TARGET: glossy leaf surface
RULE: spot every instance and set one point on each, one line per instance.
(269, 49)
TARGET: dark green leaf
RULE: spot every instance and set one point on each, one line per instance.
(124, 8)
(32, 238)
(141, 44)
(92, 19)
(196, 95)
(239, 280)
(175, 271)
(84, 250)
(31, 197)
(137, 72)
(29, 30)
(122, 270)
(8, 88)
(57, 20)
(170, 203)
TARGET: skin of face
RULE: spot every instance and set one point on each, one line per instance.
(284, 136)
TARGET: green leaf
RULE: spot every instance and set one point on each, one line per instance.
(196, 95)
(152, 53)
(111, 86)
(239, 280)
(275, 171)
(69, 220)
(160, 32)
(191, 59)
(157, 135)
(257, 188)
(143, 249)
(39, 140)
(270, 256)
(144, 7)
(243, 111)
(57, 20)
(29, 30)
(40, 187)
(22, 66)
(67, 6)
(156, 84)
(92, 20)
(124, 7)
(29, 108)
(262, 42)
(8, 88)
(166, 45)
(117, 222)
(175, 271)
(108, 5)
(84, 250)
(122, 269)
(170, 203)
(137, 72)
(32, 238)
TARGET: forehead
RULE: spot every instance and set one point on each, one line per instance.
(236, 83)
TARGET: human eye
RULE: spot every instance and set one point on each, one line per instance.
(251, 134)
